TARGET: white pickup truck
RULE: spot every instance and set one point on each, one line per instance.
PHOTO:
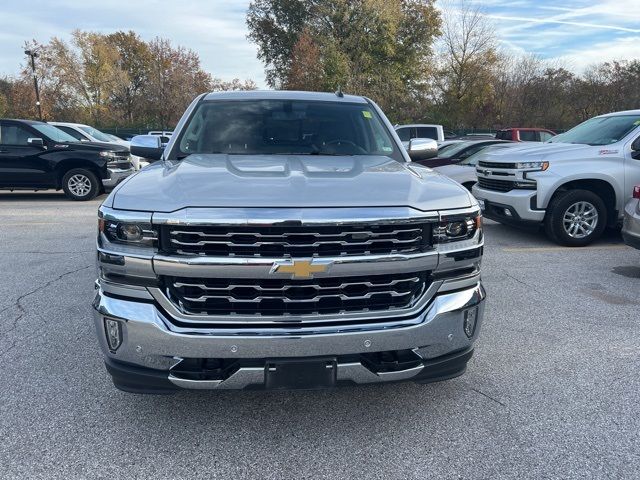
(575, 185)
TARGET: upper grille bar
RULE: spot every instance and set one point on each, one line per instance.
(296, 241)
(506, 166)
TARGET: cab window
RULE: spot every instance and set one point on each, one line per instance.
(74, 133)
(14, 135)
(404, 134)
(528, 136)
(427, 132)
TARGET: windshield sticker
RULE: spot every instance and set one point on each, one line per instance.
(607, 152)
(367, 114)
(636, 123)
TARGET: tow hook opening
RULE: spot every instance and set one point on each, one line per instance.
(390, 361)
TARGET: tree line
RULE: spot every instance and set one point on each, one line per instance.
(420, 63)
(112, 79)
(424, 64)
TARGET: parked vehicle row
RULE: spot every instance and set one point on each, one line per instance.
(36, 155)
(86, 133)
(575, 186)
(437, 132)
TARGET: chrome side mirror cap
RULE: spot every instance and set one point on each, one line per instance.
(35, 142)
(422, 148)
(147, 146)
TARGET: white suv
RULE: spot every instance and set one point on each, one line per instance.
(575, 185)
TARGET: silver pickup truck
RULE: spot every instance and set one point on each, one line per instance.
(284, 240)
(575, 185)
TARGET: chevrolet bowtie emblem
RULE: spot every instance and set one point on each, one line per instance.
(301, 268)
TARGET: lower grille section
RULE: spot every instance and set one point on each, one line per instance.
(283, 297)
(497, 185)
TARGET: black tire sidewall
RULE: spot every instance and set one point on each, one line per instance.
(93, 191)
(560, 204)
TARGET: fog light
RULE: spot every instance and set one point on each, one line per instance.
(507, 212)
(113, 329)
(469, 323)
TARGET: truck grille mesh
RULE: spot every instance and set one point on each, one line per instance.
(496, 185)
(296, 240)
(283, 297)
(497, 165)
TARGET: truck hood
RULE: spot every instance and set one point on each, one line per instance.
(537, 152)
(287, 181)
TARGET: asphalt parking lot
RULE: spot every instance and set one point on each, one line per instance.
(552, 391)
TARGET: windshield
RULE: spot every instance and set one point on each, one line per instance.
(454, 149)
(97, 134)
(286, 127)
(600, 130)
(54, 133)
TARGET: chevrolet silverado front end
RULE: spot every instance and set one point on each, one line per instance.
(304, 260)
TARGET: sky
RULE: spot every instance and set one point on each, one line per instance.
(575, 33)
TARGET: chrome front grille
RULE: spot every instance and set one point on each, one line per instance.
(284, 297)
(279, 241)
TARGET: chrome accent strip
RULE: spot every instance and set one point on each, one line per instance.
(299, 216)
(133, 291)
(460, 282)
(239, 267)
(123, 215)
(250, 321)
(245, 376)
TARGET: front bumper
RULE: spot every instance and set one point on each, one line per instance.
(116, 175)
(631, 223)
(520, 203)
(153, 347)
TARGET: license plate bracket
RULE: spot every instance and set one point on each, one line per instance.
(304, 374)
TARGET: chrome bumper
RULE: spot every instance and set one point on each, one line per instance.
(116, 175)
(151, 341)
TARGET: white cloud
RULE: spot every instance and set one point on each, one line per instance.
(624, 48)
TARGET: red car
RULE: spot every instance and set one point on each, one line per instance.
(525, 134)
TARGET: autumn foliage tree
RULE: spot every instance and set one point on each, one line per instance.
(112, 79)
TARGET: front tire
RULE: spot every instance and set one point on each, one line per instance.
(576, 218)
(80, 184)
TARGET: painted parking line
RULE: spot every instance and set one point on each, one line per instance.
(565, 249)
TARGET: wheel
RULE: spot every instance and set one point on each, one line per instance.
(576, 218)
(80, 184)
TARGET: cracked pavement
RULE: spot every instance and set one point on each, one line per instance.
(550, 393)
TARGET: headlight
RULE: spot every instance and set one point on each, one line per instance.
(540, 166)
(107, 154)
(128, 233)
(457, 227)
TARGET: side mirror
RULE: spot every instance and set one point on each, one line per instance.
(422, 149)
(147, 146)
(35, 142)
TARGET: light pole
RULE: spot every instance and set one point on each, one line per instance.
(33, 54)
